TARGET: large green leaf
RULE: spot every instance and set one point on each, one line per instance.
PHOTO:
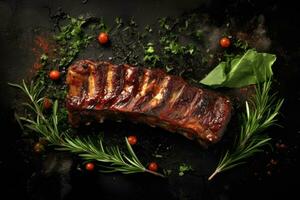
(250, 68)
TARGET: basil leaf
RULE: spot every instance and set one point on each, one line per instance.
(251, 68)
(216, 77)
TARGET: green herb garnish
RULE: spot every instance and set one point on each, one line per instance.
(44, 59)
(261, 113)
(150, 55)
(183, 168)
(167, 172)
(250, 68)
(71, 39)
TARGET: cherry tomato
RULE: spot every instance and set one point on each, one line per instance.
(38, 147)
(89, 166)
(47, 103)
(153, 166)
(103, 38)
(225, 42)
(132, 139)
(54, 74)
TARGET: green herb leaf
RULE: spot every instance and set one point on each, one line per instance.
(251, 68)
(44, 59)
(150, 55)
(183, 168)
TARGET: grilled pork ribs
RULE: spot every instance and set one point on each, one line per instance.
(99, 90)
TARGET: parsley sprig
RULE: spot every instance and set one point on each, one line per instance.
(71, 40)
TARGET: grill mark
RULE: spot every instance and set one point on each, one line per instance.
(91, 82)
(130, 89)
(101, 74)
(109, 80)
(114, 84)
(119, 82)
(159, 97)
(192, 105)
(180, 105)
(150, 90)
(141, 92)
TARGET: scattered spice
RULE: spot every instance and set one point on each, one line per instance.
(43, 48)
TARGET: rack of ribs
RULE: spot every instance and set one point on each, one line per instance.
(101, 90)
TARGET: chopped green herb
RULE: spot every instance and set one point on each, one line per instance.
(44, 59)
(167, 172)
(71, 39)
(169, 68)
(199, 34)
(174, 48)
(119, 22)
(163, 23)
(101, 26)
(241, 44)
(183, 168)
(150, 55)
(148, 29)
(157, 155)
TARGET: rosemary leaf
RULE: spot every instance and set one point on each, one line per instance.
(111, 158)
(260, 114)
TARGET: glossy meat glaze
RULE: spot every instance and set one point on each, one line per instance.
(99, 90)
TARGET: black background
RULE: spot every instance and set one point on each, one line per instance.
(19, 18)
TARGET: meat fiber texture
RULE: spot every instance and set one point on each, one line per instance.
(99, 90)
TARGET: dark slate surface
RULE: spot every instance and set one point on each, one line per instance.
(57, 177)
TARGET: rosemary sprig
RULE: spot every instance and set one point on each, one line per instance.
(118, 161)
(86, 148)
(39, 123)
(261, 113)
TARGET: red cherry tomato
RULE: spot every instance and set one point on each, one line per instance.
(225, 42)
(103, 38)
(47, 103)
(89, 166)
(38, 147)
(153, 166)
(132, 139)
(54, 74)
